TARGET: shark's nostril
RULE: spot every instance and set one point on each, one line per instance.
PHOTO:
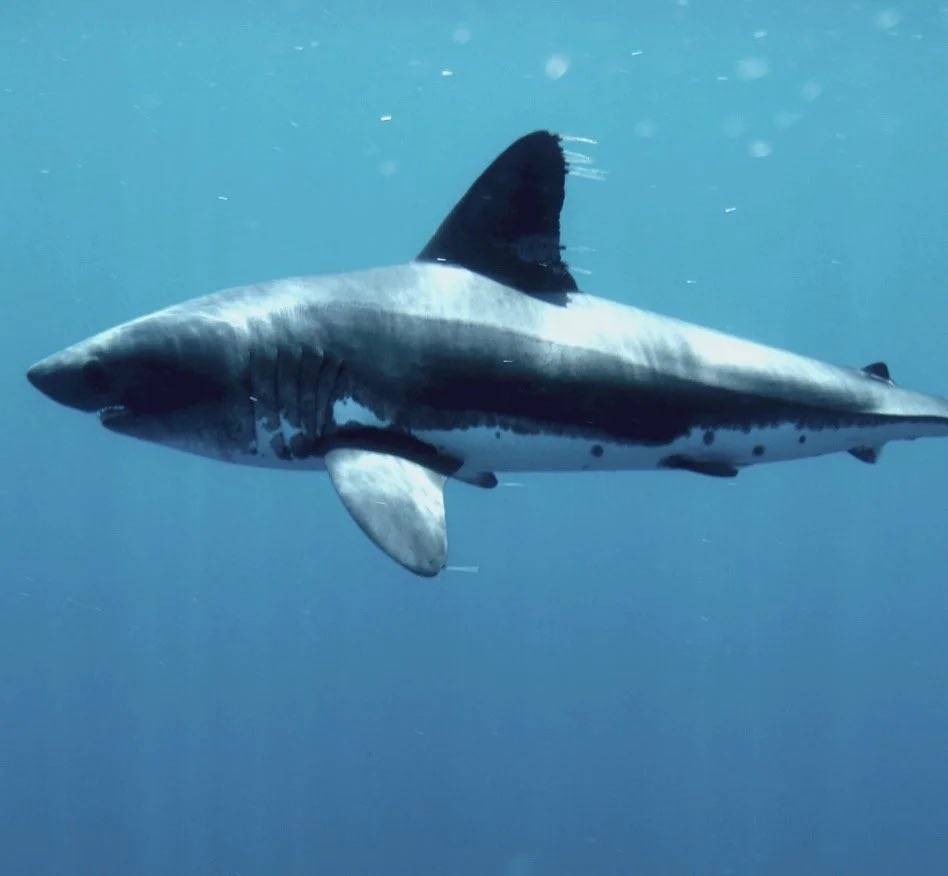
(96, 376)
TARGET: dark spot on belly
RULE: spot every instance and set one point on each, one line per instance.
(758, 450)
(802, 439)
(497, 434)
(596, 450)
(709, 436)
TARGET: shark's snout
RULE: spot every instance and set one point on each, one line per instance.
(74, 380)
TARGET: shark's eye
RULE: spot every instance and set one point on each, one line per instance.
(96, 376)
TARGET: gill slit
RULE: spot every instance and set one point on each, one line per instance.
(281, 449)
(253, 403)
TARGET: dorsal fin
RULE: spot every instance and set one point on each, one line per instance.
(879, 370)
(507, 225)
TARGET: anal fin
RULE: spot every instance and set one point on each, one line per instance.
(867, 454)
(399, 504)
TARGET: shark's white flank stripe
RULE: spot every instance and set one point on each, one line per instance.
(485, 449)
(347, 411)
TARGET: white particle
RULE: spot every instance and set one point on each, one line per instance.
(734, 126)
(461, 36)
(750, 69)
(447, 73)
(222, 198)
(556, 66)
(786, 118)
(644, 128)
(811, 89)
(759, 34)
(637, 52)
(387, 168)
(729, 209)
(759, 148)
(387, 117)
(886, 19)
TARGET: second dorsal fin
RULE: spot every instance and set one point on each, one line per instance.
(507, 225)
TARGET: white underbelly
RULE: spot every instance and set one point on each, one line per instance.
(488, 449)
(484, 448)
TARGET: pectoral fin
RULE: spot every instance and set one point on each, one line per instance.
(398, 504)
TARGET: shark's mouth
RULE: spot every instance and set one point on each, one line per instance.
(111, 413)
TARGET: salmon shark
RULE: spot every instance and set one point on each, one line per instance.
(479, 356)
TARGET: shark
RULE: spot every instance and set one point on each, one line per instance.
(479, 356)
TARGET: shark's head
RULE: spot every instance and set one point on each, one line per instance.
(169, 378)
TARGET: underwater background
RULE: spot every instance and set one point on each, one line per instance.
(209, 670)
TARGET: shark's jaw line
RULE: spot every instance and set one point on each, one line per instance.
(110, 413)
(478, 356)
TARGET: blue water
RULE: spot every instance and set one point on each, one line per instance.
(208, 670)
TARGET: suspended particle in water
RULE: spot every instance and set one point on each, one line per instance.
(750, 69)
(786, 118)
(556, 66)
(734, 126)
(811, 89)
(760, 148)
(886, 19)
(645, 128)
